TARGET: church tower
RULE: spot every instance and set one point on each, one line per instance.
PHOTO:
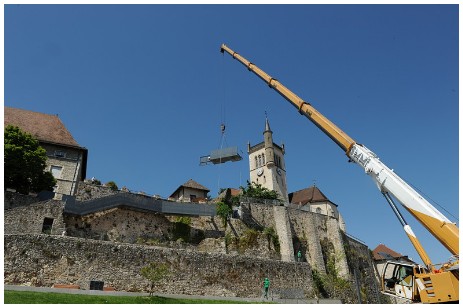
(267, 164)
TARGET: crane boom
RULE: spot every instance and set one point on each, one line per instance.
(386, 180)
(334, 132)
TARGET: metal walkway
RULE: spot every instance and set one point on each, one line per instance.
(137, 203)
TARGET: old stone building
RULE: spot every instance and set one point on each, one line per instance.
(66, 159)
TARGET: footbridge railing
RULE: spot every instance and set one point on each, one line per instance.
(136, 202)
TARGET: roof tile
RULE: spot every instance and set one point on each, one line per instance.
(44, 127)
(306, 195)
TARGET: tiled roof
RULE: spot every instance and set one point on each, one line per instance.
(44, 127)
(192, 184)
(382, 252)
(233, 192)
(306, 195)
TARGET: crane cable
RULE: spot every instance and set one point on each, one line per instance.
(222, 120)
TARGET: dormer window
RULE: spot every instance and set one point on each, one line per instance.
(60, 154)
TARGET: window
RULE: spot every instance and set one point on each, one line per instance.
(263, 159)
(255, 157)
(318, 210)
(47, 225)
(260, 161)
(56, 171)
(60, 153)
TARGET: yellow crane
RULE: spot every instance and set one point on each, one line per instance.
(414, 282)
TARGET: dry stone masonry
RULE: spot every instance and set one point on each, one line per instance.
(45, 246)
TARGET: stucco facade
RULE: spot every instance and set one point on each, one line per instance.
(267, 165)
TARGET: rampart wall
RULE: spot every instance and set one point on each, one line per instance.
(43, 260)
(113, 245)
(29, 218)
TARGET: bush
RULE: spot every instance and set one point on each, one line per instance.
(223, 211)
(257, 191)
(273, 236)
(181, 229)
(248, 239)
(112, 185)
(154, 272)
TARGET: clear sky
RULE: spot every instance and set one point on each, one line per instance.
(144, 88)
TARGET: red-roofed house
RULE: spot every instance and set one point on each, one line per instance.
(67, 160)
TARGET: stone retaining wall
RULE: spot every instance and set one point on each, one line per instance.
(30, 218)
(14, 199)
(43, 260)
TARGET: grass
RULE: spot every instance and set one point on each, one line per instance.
(27, 297)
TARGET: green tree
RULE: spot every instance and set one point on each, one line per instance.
(223, 210)
(25, 162)
(255, 190)
(154, 272)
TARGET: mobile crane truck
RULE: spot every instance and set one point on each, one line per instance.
(413, 282)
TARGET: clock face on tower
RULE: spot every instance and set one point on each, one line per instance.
(260, 171)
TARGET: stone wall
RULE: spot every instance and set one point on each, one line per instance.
(42, 260)
(30, 218)
(119, 225)
(88, 191)
(14, 199)
(283, 229)
(256, 215)
(362, 267)
(240, 240)
(306, 237)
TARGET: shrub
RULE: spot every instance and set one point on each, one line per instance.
(154, 272)
(223, 211)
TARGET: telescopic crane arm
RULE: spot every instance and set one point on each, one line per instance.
(334, 132)
(386, 180)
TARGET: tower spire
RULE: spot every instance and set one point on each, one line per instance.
(268, 143)
(267, 124)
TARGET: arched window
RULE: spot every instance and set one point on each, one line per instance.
(260, 161)
(263, 159)
(255, 157)
(318, 210)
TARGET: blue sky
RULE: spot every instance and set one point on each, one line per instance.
(144, 88)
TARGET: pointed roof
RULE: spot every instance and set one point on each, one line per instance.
(267, 125)
(46, 128)
(307, 195)
(191, 184)
(382, 252)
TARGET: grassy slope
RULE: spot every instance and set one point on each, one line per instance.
(26, 297)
